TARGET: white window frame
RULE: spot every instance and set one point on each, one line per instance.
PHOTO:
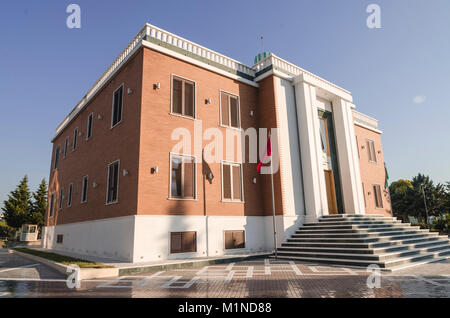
(82, 188)
(70, 195)
(171, 97)
(112, 105)
(229, 105)
(368, 142)
(118, 181)
(171, 154)
(231, 163)
(92, 126)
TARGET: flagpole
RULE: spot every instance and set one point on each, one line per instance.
(273, 204)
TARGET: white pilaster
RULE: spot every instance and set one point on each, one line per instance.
(347, 152)
(311, 153)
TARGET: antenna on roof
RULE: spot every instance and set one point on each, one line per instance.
(262, 44)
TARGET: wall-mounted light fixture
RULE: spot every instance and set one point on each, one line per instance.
(125, 172)
(208, 101)
(154, 170)
(157, 86)
(80, 133)
(254, 180)
(99, 117)
(252, 113)
(129, 91)
(94, 184)
(210, 176)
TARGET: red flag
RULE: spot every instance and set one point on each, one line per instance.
(268, 154)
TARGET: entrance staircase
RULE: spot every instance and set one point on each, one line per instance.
(362, 240)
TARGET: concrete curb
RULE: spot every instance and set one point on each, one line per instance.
(85, 273)
(188, 264)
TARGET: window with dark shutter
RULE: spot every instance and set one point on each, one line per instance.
(89, 126)
(84, 189)
(61, 198)
(57, 153)
(234, 239)
(113, 183)
(232, 182)
(229, 109)
(183, 97)
(69, 195)
(75, 139)
(52, 205)
(182, 176)
(66, 146)
(183, 242)
(377, 196)
(117, 107)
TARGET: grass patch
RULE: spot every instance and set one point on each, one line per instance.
(66, 260)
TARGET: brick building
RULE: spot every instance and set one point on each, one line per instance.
(118, 188)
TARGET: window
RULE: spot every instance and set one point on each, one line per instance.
(61, 198)
(234, 239)
(357, 146)
(183, 242)
(59, 238)
(52, 205)
(57, 152)
(113, 183)
(117, 107)
(69, 196)
(89, 126)
(229, 110)
(183, 97)
(324, 135)
(75, 139)
(371, 150)
(232, 182)
(182, 176)
(364, 194)
(84, 189)
(377, 196)
(66, 146)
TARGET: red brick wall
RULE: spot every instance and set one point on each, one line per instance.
(372, 173)
(105, 146)
(157, 125)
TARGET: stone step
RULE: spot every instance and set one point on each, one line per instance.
(356, 226)
(307, 230)
(360, 239)
(361, 256)
(389, 264)
(343, 219)
(361, 222)
(357, 234)
(352, 215)
(362, 250)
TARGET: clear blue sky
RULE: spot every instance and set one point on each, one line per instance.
(45, 68)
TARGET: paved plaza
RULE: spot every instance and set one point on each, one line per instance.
(258, 278)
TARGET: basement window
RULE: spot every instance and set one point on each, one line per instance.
(234, 239)
(183, 242)
(59, 239)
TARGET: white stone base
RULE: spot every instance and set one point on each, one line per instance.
(146, 238)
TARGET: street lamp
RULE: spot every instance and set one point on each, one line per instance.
(425, 203)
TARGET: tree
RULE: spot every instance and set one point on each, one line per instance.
(18, 206)
(398, 191)
(39, 205)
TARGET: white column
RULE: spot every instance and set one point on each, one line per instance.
(310, 150)
(347, 152)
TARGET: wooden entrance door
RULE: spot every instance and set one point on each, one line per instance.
(331, 192)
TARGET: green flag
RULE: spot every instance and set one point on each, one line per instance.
(386, 178)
